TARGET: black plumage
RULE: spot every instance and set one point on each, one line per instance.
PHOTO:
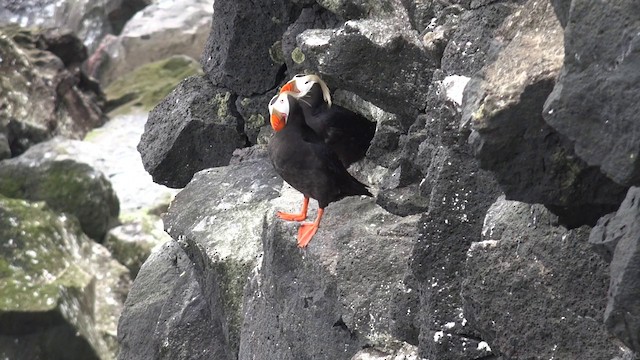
(305, 161)
(348, 133)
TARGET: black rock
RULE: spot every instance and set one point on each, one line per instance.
(534, 289)
(618, 235)
(193, 128)
(166, 314)
(595, 103)
(531, 161)
(382, 61)
(239, 54)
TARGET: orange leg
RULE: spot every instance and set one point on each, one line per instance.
(307, 230)
(296, 217)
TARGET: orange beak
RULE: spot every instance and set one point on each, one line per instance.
(290, 86)
(277, 122)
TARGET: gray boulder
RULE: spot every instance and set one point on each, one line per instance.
(345, 292)
(47, 173)
(532, 162)
(534, 289)
(250, 271)
(166, 315)
(61, 292)
(314, 17)
(220, 231)
(44, 91)
(602, 63)
(195, 127)
(618, 233)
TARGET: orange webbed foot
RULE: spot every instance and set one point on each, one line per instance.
(291, 217)
(296, 217)
(305, 233)
(307, 230)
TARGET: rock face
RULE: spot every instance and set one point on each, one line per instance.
(45, 93)
(530, 279)
(620, 234)
(203, 127)
(532, 162)
(162, 29)
(324, 312)
(47, 173)
(61, 292)
(601, 62)
(152, 329)
(433, 267)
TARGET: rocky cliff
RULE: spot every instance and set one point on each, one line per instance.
(504, 167)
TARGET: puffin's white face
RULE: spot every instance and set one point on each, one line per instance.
(279, 111)
(301, 84)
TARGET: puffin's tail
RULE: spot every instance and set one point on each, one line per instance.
(357, 188)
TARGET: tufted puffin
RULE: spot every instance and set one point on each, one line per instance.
(346, 132)
(302, 158)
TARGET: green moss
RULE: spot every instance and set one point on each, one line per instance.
(145, 86)
(297, 56)
(11, 186)
(37, 264)
(234, 276)
(221, 101)
(275, 52)
(255, 121)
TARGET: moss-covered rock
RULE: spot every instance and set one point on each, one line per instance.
(65, 185)
(44, 91)
(145, 86)
(51, 299)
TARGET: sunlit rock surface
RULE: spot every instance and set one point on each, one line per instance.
(503, 104)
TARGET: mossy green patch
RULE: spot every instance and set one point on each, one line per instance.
(275, 52)
(255, 121)
(11, 186)
(297, 56)
(37, 262)
(234, 276)
(145, 86)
